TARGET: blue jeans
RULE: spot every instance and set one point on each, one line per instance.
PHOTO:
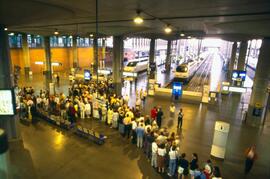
(172, 166)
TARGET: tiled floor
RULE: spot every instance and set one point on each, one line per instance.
(49, 152)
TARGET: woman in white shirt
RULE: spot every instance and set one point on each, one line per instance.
(110, 116)
(161, 152)
(172, 163)
(87, 110)
(154, 154)
(82, 109)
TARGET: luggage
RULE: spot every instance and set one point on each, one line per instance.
(121, 128)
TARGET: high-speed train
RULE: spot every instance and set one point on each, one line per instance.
(138, 65)
(185, 71)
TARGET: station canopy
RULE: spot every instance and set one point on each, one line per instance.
(226, 19)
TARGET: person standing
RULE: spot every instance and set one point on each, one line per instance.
(161, 152)
(159, 117)
(154, 154)
(140, 134)
(180, 118)
(127, 128)
(193, 165)
(172, 110)
(172, 162)
(154, 113)
(183, 166)
(251, 156)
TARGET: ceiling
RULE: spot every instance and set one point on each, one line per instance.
(227, 19)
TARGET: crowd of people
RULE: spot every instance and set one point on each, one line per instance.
(88, 100)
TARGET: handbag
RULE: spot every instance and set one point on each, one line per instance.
(180, 170)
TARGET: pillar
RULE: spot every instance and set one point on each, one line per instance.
(260, 83)
(242, 55)
(118, 47)
(95, 60)
(168, 56)
(102, 60)
(26, 55)
(152, 56)
(48, 63)
(8, 123)
(233, 57)
(75, 52)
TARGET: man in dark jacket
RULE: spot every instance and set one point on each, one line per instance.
(159, 117)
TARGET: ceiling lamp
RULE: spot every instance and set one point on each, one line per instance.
(189, 37)
(168, 29)
(182, 34)
(56, 32)
(5, 29)
(138, 19)
(91, 35)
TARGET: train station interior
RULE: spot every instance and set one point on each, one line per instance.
(127, 89)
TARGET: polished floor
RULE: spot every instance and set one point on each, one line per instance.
(46, 151)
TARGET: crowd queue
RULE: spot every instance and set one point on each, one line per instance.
(161, 147)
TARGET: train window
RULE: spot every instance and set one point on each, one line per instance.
(132, 64)
(181, 68)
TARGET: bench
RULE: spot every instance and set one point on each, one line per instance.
(90, 135)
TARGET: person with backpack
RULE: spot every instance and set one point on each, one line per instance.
(251, 156)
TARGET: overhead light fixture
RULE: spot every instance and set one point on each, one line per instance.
(189, 37)
(168, 29)
(70, 36)
(39, 63)
(56, 32)
(182, 34)
(138, 19)
(11, 34)
(5, 29)
(91, 35)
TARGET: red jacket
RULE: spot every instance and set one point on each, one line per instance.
(153, 113)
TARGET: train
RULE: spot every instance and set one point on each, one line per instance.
(137, 65)
(185, 71)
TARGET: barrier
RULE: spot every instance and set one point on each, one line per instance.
(188, 96)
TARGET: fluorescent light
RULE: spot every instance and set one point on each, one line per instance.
(91, 35)
(182, 34)
(237, 89)
(5, 29)
(168, 29)
(39, 63)
(55, 64)
(11, 34)
(189, 37)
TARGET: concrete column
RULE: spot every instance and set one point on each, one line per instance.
(118, 47)
(75, 52)
(152, 56)
(242, 55)
(102, 61)
(168, 56)
(8, 123)
(26, 55)
(95, 61)
(233, 57)
(48, 63)
(260, 83)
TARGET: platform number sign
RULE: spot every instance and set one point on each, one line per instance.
(177, 89)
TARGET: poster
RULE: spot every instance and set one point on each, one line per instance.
(6, 102)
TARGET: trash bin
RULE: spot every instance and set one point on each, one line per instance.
(220, 139)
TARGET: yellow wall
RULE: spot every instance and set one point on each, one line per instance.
(61, 55)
